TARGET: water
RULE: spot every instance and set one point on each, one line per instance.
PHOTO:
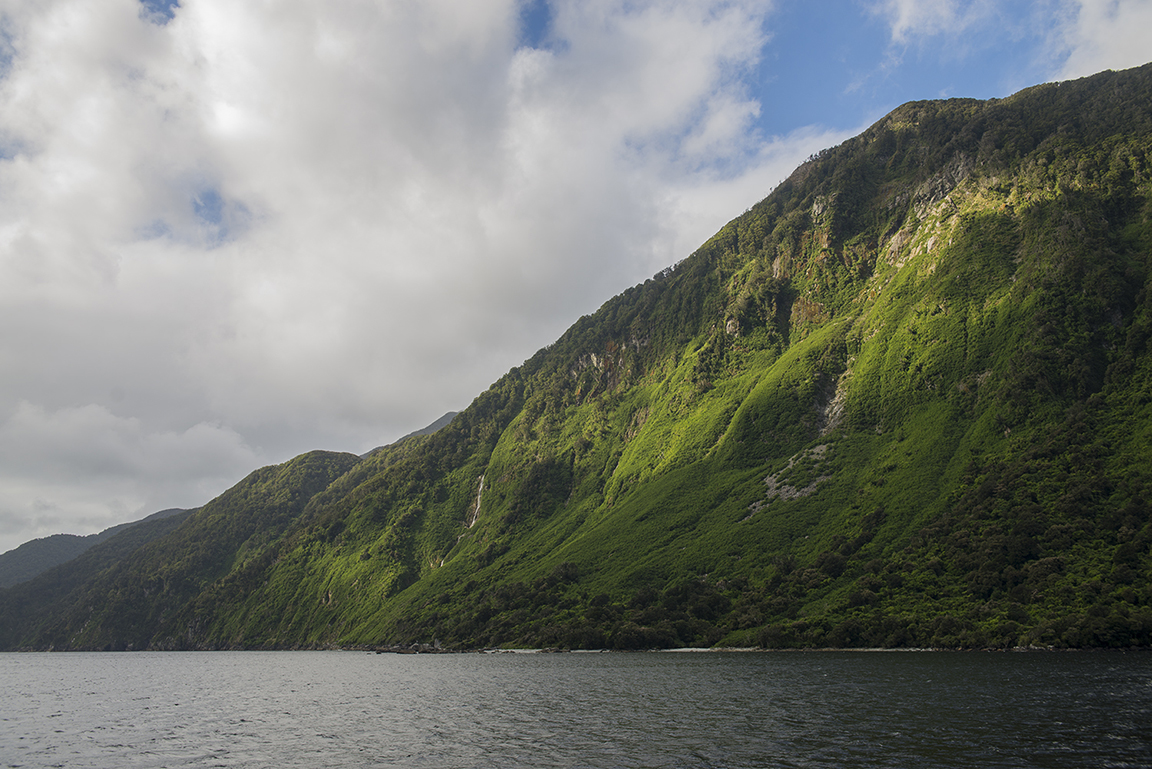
(346, 709)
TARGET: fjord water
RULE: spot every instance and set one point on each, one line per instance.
(348, 709)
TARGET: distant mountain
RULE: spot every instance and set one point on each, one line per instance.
(904, 401)
(443, 421)
(135, 579)
(38, 555)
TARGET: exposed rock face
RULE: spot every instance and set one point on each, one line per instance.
(940, 185)
(780, 485)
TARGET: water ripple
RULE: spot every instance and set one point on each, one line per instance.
(731, 711)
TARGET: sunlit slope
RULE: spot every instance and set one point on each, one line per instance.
(903, 401)
(910, 316)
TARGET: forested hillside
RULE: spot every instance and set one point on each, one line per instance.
(905, 400)
(38, 555)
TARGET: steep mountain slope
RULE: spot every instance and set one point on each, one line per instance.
(38, 555)
(26, 608)
(116, 594)
(903, 401)
(435, 426)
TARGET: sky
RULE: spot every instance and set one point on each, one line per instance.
(232, 231)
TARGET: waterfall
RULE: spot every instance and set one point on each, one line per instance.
(476, 507)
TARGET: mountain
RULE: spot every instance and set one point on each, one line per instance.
(137, 579)
(443, 421)
(904, 401)
(38, 555)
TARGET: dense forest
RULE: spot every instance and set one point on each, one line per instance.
(904, 401)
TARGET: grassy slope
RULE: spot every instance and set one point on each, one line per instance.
(931, 339)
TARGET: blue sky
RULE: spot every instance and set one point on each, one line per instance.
(232, 231)
(836, 63)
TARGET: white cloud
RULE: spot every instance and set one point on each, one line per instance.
(87, 467)
(1105, 34)
(1082, 37)
(263, 228)
(917, 19)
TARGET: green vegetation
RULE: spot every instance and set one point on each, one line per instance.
(906, 400)
(40, 555)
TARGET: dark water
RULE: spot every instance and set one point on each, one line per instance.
(345, 709)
